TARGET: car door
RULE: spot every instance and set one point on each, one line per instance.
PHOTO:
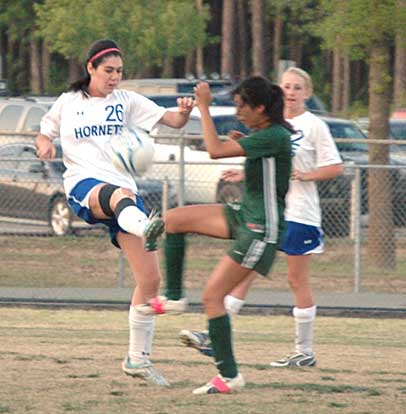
(32, 180)
(24, 193)
(8, 173)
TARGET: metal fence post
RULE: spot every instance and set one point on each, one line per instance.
(357, 229)
(165, 195)
(182, 171)
(121, 270)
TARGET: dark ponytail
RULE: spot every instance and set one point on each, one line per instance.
(97, 52)
(256, 91)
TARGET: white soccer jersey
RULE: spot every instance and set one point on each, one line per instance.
(85, 125)
(313, 147)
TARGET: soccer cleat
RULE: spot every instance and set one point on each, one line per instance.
(295, 360)
(152, 231)
(197, 340)
(161, 304)
(145, 371)
(221, 385)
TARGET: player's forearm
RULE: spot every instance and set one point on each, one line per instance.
(211, 139)
(175, 119)
(319, 174)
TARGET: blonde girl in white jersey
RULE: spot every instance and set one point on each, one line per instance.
(84, 119)
(316, 158)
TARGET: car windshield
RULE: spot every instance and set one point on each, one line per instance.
(347, 130)
(398, 129)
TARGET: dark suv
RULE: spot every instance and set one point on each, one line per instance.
(32, 189)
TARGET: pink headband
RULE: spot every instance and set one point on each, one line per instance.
(103, 52)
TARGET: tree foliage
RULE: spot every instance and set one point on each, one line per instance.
(148, 31)
(356, 25)
(19, 12)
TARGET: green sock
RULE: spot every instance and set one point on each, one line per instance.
(221, 341)
(175, 246)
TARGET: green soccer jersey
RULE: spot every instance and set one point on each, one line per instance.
(267, 173)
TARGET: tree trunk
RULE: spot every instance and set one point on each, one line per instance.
(258, 47)
(336, 96)
(277, 43)
(190, 62)
(167, 69)
(242, 39)
(199, 50)
(399, 82)
(227, 39)
(35, 69)
(10, 63)
(22, 65)
(2, 55)
(381, 239)
(75, 70)
(346, 95)
(296, 48)
(45, 66)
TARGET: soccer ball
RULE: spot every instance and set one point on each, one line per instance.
(132, 151)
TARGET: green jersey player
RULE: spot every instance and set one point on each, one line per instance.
(255, 225)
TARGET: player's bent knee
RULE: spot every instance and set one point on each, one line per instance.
(105, 195)
(130, 218)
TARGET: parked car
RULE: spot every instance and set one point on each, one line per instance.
(33, 189)
(202, 173)
(22, 114)
(398, 128)
(20, 117)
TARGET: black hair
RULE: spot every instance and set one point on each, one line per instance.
(256, 90)
(103, 44)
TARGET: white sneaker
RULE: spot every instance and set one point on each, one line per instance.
(197, 340)
(295, 360)
(161, 304)
(145, 371)
(221, 385)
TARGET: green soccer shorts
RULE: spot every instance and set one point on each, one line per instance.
(249, 249)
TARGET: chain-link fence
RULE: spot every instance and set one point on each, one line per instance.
(364, 220)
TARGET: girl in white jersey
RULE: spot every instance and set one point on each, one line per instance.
(84, 119)
(315, 158)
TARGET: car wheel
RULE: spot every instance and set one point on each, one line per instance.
(60, 216)
(228, 192)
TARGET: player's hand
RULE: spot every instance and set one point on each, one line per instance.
(298, 175)
(202, 94)
(185, 105)
(45, 148)
(233, 175)
(235, 135)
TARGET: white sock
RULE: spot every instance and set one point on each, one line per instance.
(133, 220)
(304, 323)
(233, 305)
(141, 335)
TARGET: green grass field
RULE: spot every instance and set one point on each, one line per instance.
(68, 361)
(92, 262)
